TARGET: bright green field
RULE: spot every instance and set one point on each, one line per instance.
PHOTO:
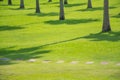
(26, 35)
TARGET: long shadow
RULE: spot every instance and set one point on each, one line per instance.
(36, 52)
(94, 9)
(9, 5)
(22, 54)
(116, 16)
(9, 28)
(43, 14)
(49, 3)
(21, 9)
(70, 21)
(73, 5)
(110, 36)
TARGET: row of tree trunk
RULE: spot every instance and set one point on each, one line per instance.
(106, 22)
(21, 3)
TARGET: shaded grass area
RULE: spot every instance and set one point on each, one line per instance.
(94, 9)
(21, 8)
(43, 14)
(111, 36)
(9, 28)
(24, 53)
(74, 5)
(116, 16)
(71, 21)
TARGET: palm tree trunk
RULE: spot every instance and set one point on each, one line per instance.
(49, 0)
(65, 1)
(37, 6)
(61, 17)
(9, 2)
(22, 4)
(106, 21)
(89, 4)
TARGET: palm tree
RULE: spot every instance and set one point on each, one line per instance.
(61, 17)
(106, 21)
(49, 0)
(65, 1)
(22, 4)
(37, 6)
(89, 4)
(9, 2)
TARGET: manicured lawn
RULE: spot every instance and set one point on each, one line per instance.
(25, 35)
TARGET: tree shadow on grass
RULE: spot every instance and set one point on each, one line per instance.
(116, 16)
(71, 21)
(49, 3)
(9, 5)
(72, 5)
(9, 28)
(37, 52)
(22, 54)
(43, 14)
(94, 9)
(110, 36)
(21, 9)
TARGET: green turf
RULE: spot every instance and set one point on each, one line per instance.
(26, 35)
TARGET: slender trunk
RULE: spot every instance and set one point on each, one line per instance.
(9, 2)
(89, 4)
(65, 1)
(106, 21)
(37, 6)
(22, 4)
(49, 0)
(61, 17)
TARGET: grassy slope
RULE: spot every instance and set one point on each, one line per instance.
(26, 35)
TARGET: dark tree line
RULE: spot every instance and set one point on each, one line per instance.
(106, 22)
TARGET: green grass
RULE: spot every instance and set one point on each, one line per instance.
(26, 35)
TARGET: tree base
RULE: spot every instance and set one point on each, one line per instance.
(106, 29)
(22, 7)
(61, 18)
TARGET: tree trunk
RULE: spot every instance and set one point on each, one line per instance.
(49, 0)
(9, 2)
(37, 6)
(89, 4)
(22, 4)
(61, 17)
(65, 1)
(106, 21)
